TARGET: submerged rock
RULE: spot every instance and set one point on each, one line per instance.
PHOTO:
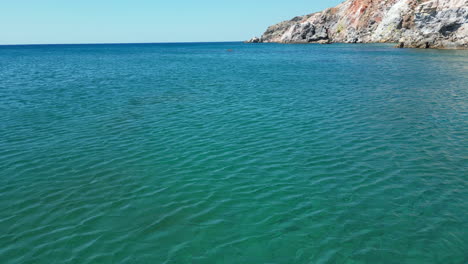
(411, 23)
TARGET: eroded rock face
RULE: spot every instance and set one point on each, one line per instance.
(412, 23)
(439, 24)
(254, 40)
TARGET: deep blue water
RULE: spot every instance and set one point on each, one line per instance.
(233, 153)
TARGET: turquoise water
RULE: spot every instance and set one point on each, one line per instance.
(190, 153)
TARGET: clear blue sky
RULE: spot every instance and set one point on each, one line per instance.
(123, 21)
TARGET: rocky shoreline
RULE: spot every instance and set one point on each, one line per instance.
(441, 24)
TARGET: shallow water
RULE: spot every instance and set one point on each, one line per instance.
(190, 153)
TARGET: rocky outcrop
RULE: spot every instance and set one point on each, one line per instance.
(253, 40)
(438, 24)
(411, 23)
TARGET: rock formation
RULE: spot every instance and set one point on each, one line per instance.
(411, 23)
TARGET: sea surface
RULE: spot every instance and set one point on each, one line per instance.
(233, 153)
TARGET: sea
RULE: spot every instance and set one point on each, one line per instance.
(233, 153)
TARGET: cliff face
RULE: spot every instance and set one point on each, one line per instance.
(412, 23)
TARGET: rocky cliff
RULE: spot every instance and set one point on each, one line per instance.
(411, 23)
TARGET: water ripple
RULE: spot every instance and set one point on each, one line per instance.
(184, 153)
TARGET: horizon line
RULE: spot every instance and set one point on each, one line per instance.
(120, 43)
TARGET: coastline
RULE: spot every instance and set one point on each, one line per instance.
(409, 23)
